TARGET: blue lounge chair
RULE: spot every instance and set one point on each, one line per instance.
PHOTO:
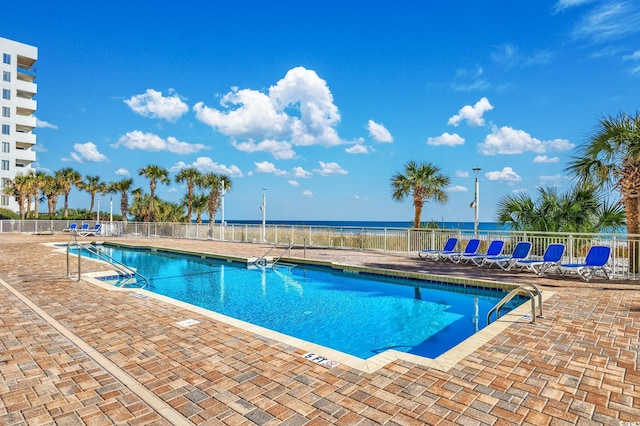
(72, 228)
(596, 260)
(520, 252)
(83, 228)
(449, 246)
(495, 249)
(94, 232)
(550, 259)
(470, 249)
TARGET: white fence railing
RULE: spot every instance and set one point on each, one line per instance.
(624, 261)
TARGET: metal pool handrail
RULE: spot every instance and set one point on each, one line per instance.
(120, 267)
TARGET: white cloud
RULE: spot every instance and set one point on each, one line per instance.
(509, 56)
(279, 149)
(545, 159)
(293, 182)
(471, 80)
(153, 105)
(566, 4)
(462, 174)
(122, 172)
(458, 188)
(299, 108)
(609, 20)
(554, 178)
(505, 175)
(307, 193)
(207, 165)
(357, 149)
(301, 173)
(44, 124)
(151, 142)
(87, 152)
(446, 139)
(507, 140)
(267, 167)
(331, 168)
(472, 114)
(378, 132)
(635, 56)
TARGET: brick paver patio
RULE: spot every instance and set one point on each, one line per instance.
(74, 353)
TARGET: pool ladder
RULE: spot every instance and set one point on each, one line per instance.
(262, 261)
(526, 289)
(128, 272)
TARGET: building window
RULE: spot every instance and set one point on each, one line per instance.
(4, 183)
(6, 112)
(6, 58)
(6, 130)
(6, 93)
(6, 147)
(6, 76)
(5, 164)
(4, 201)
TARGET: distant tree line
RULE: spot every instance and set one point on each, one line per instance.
(203, 194)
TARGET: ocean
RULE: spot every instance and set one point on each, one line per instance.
(482, 226)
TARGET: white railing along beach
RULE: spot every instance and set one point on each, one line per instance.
(624, 247)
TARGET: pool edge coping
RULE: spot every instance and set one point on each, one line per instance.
(444, 362)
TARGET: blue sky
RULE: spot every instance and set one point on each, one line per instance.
(322, 102)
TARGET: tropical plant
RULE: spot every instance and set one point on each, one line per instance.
(190, 175)
(199, 205)
(19, 188)
(93, 185)
(123, 186)
(422, 181)
(155, 174)
(581, 209)
(611, 157)
(51, 190)
(140, 205)
(214, 183)
(67, 178)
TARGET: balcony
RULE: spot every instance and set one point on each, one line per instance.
(24, 123)
(28, 104)
(24, 157)
(25, 139)
(26, 89)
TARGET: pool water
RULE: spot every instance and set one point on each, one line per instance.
(358, 314)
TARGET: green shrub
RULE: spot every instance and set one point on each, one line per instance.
(8, 214)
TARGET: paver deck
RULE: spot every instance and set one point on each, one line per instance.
(74, 353)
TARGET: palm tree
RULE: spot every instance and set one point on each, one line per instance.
(67, 179)
(424, 182)
(123, 186)
(199, 205)
(155, 174)
(190, 175)
(140, 206)
(19, 188)
(581, 209)
(38, 181)
(611, 157)
(214, 183)
(93, 185)
(51, 190)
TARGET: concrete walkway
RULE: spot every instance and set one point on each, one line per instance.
(74, 353)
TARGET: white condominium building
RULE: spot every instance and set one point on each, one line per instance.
(18, 108)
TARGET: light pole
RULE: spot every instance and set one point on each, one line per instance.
(263, 207)
(221, 209)
(98, 214)
(476, 201)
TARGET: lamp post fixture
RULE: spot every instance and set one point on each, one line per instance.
(98, 214)
(476, 201)
(221, 210)
(263, 207)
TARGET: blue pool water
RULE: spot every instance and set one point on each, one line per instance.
(358, 314)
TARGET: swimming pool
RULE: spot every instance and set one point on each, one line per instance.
(358, 314)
